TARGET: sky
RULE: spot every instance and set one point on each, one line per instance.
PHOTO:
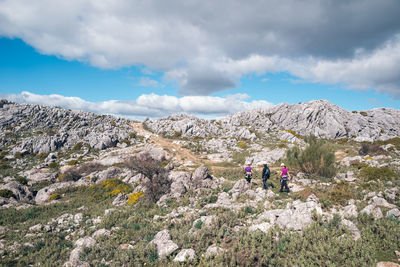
(151, 58)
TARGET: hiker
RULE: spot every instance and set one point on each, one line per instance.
(249, 172)
(285, 176)
(266, 173)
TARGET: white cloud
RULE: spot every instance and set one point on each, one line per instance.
(147, 82)
(207, 48)
(148, 105)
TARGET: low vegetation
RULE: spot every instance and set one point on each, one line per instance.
(157, 182)
(317, 159)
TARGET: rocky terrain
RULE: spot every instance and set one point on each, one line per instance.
(319, 118)
(80, 189)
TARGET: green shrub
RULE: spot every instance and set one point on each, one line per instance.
(22, 180)
(375, 173)
(55, 196)
(341, 193)
(4, 166)
(126, 141)
(318, 158)
(363, 113)
(177, 134)
(6, 193)
(42, 155)
(53, 165)
(72, 162)
(77, 146)
(70, 175)
(17, 155)
(198, 224)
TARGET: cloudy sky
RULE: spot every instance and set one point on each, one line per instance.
(153, 58)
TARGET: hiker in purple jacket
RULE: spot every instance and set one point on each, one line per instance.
(285, 176)
(248, 172)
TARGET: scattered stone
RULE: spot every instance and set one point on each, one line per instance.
(100, 233)
(352, 228)
(185, 255)
(263, 227)
(379, 201)
(349, 211)
(373, 210)
(394, 213)
(214, 251)
(36, 228)
(164, 244)
(109, 211)
(86, 242)
(120, 200)
(126, 247)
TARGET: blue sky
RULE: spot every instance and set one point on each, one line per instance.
(158, 61)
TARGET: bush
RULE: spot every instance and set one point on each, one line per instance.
(90, 167)
(72, 162)
(77, 146)
(116, 186)
(241, 145)
(6, 193)
(22, 180)
(55, 196)
(53, 165)
(370, 149)
(133, 198)
(375, 173)
(157, 182)
(70, 175)
(42, 155)
(198, 224)
(318, 158)
(74, 174)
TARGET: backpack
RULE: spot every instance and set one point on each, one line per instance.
(267, 173)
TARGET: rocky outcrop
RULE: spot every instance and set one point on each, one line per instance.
(319, 118)
(43, 129)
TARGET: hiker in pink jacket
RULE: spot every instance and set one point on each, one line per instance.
(285, 176)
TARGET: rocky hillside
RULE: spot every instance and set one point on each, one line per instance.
(79, 189)
(40, 129)
(319, 118)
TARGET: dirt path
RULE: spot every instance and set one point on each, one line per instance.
(340, 155)
(176, 150)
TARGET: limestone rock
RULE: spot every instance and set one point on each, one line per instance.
(373, 210)
(214, 250)
(21, 192)
(100, 233)
(264, 227)
(379, 201)
(44, 194)
(120, 200)
(352, 228)
(395, 213)
(165, 246)
(349, 211)
(85, 242)
(185, 255)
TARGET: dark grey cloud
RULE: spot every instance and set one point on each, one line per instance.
(195, 38)
(205, 81)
